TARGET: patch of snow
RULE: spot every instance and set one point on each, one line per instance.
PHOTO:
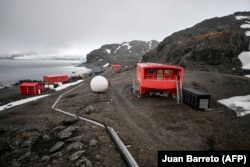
(150, 44)
(19, 102)
(245, 26)
(24, 57)
(64, 86)
(108, 51)
(244, 58)
(127, 44)
(239, 104)
(241, 17)
(105, 65)
(49, 86)
(246, 67)
(117, 49)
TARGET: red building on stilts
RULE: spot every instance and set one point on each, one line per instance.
(162, 79)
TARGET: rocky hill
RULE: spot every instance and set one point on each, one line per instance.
(212, 45)
(123, 53)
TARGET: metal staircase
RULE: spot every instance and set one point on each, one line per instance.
(178, 91)
(135, 86)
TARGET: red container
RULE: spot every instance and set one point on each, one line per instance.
(31, 88)
(160, 78)
(51, 79)
(116, 67)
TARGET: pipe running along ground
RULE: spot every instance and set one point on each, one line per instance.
(129, 160)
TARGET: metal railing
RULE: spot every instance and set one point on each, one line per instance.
(157, 77)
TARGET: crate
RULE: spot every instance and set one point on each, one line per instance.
(196, 98)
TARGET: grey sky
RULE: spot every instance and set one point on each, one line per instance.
(56, 25)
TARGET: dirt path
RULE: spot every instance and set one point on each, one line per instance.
(145, 125)
(156, 123)
(134, 123)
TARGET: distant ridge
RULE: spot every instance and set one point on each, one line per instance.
(121, 53)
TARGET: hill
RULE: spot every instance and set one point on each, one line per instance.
(124, 53)
(212, 45)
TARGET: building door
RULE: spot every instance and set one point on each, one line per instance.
(159, 74)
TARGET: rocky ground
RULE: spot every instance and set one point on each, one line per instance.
(33, 134)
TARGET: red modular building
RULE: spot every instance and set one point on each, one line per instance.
(51, 79)
(31, 88)
(158, 78)
(116, 67)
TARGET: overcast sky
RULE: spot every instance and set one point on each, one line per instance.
(84, 25)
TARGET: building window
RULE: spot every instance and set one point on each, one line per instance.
(168, 72)
(151, 71)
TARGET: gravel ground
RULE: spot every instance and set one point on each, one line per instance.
(145, 125)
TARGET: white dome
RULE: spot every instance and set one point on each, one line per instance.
(99, 84)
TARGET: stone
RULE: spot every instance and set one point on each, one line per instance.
(66, 133)
(84, 162)
(57, 154)
(89, 109)
(70, 121)
(74, 146)
(45, 158)
(76, 155)
(97, 156)
(23, 156)
(77, 138)
(60, 127)
(56, 147)
(26, 144)
(34, 157)
(93, 142)
(46, 137)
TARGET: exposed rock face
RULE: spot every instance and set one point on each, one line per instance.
(116, 53)
(212, 45)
